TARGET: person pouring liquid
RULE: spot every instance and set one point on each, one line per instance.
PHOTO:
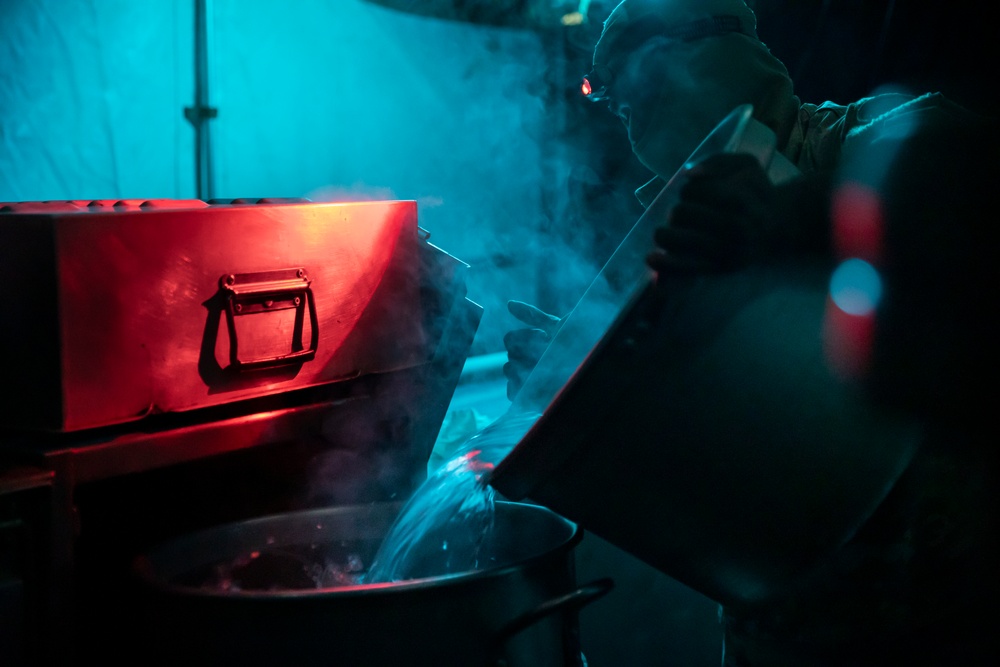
(671, 70)
(914, 584)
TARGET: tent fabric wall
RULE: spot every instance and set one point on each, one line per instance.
(90, 97)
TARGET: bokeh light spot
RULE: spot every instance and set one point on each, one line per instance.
(856, 287)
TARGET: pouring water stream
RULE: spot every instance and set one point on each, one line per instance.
(447, 526)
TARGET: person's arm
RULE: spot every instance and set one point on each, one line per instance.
(729, 215)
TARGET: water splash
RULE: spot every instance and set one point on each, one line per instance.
(447, 526)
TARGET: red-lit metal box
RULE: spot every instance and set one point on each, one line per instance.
(117, 310)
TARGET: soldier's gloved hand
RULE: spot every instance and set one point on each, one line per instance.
(724, 218)
(526, 345)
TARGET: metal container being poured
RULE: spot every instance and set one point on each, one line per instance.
(695, 424)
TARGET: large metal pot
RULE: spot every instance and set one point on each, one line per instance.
(522, 611)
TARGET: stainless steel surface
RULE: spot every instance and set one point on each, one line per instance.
(731, 434)
(123, 308)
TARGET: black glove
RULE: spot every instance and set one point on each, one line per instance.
(729, 215)
(525, 346)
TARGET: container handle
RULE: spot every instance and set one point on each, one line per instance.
(571, 601)
(268, 291)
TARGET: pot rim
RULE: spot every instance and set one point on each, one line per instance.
(144, 569)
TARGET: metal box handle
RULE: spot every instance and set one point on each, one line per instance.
(267, 292)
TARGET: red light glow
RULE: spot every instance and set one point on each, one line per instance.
(586, 88)
(847, 341)
(858, 222)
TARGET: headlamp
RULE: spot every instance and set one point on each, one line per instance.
(595, 86)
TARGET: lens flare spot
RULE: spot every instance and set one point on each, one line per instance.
(856, 287)
(858, 222)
